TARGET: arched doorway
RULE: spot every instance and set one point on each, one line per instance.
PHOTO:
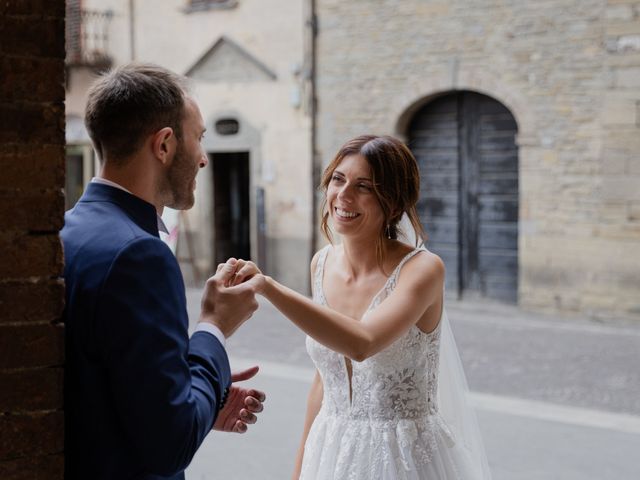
(465, 145)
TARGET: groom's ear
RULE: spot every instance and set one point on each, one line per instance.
(163, 144)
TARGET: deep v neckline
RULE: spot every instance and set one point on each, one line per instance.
(346, 362)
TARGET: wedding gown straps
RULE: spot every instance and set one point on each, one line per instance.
(390, 427)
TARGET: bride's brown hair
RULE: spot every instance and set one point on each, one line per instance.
(396, 184)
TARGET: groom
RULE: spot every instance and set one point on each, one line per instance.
(140, 395)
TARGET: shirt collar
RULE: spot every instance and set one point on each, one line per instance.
(161, 226)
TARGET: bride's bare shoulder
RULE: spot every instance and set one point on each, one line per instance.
(424, 268)
(316, 256)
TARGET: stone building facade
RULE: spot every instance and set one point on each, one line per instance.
(524, 117)
(249, 72)
(564, 73)
(31, 212)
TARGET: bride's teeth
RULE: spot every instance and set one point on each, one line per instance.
(344, 213)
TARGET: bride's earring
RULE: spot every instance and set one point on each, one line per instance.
(388, 231)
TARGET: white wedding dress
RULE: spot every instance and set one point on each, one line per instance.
(391, 427)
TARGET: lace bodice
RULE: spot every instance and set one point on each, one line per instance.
(399, 382)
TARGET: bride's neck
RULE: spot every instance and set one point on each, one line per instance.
(359, 256)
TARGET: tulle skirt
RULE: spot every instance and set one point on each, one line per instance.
(340, 447)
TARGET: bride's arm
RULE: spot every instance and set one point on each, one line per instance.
(314, 402)
(420, 288)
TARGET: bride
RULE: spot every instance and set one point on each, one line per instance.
(389, 398)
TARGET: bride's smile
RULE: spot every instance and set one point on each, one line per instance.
(343, 214)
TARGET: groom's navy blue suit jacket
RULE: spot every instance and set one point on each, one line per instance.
(140, 396)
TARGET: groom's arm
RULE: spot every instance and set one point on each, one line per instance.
(167, 389)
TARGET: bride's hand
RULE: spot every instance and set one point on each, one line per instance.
(244, 270)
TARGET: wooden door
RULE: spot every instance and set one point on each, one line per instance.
(468, 158)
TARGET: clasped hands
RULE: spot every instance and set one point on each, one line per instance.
(242, 271)
(242, 404)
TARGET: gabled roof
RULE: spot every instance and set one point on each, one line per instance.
(226, 61)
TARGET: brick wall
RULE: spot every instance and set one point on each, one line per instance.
(569, 71)
(31, 215)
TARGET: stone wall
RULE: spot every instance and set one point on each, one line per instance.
(569, 71)
(31, 215)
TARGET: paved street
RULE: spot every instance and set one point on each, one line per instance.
(557, 398)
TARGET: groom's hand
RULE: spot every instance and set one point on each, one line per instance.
(227, 307)
(241, 406)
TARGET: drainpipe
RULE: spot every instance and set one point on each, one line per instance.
(316, 167)
(132, 21)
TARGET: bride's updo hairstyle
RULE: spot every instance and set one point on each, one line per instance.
(396, 184)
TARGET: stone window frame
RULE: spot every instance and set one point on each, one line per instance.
(206, 5)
